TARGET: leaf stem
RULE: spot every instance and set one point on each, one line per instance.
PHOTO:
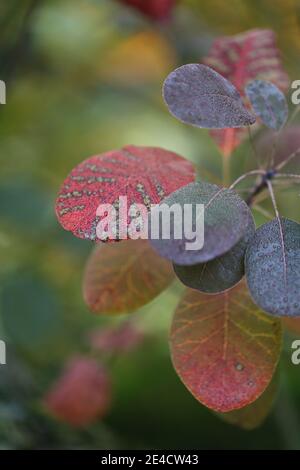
(286, 175)
(271, 191)
(246, 175)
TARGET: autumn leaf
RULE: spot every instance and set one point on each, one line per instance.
(247, 56)
(253, 415)
(224, 348)
(82, 393)
(143, 174)
(122, 277)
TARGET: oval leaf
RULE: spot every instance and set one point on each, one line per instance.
(226, 218)
(224, 348)
(268, 102)
(196, 94)
(143, 174)
(252, 416)
(220, 273)
(247, 56)
(272, 266)
(122, 277)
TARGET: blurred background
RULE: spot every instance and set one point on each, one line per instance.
(84, 77)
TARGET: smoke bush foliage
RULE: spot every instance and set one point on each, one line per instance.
(226, 334)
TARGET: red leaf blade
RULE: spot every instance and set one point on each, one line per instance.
(224, 348)
(145, 175)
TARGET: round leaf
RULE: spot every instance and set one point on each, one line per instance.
(226, 218)
(224, 348)
(268, 102)
(122, 277)
(143, 174)
(196, 94)
(220, 273)
(272, 266)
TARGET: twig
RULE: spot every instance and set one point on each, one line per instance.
(246, 175)
(271, 191)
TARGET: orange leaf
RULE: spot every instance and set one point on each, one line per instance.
(122, 277)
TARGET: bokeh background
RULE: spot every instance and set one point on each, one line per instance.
(84, 77)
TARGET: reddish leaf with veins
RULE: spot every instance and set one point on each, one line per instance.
(122, 277)
(144, 174)
(241, 59)
(224, 348)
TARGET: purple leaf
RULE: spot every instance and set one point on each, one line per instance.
(196, 94)
(268, 102)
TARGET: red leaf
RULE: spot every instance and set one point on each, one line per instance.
(155, 9)
(224, 348)
(242, 58)
(82, 393)
(144, 174)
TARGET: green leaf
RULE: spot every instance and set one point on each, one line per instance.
(268, 102)
(122, 277)
(224, 348)
(272, 266)
(226, 218)
(219, 274)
